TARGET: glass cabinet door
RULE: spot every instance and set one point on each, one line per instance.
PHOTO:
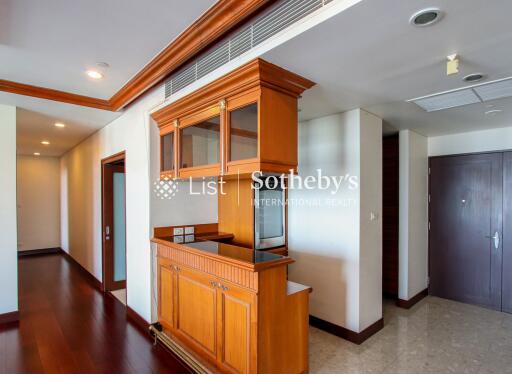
(243, 133)
(167, 152)
(200, 143)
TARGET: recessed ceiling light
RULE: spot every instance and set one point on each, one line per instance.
(94, 74)
(45, 142)
(493, 112)
(475, 77)
(426, 17)
(60, 124)
(37, 154)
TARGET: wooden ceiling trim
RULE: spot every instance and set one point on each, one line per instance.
(54, 95)
(221, 18)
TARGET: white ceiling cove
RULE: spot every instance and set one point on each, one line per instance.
(369, 56)
(36, 118)
(52, 43)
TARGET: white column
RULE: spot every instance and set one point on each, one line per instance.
(413, 213)
(8, 227)
(338, 249)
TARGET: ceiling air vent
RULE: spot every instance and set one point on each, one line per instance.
(447, 100)
(281, 17)
(283, 14)
(212, 61)
(240, 43)
(467, 95)
(495, 91)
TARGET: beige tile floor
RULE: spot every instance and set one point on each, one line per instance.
(120, 295)
(435, 336)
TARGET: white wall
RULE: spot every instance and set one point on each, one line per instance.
(413, 214)
(370, 276)
(80, 169)
(325, 230)
(38, 199)
(184, 208)
(8, 235)
(471, 142)
(81, 198)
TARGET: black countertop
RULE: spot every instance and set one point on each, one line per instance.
(222, 249)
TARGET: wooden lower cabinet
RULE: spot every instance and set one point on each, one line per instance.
(166, 288)
(196, 309)
(217, 319)
(237, 329)
(232, 328)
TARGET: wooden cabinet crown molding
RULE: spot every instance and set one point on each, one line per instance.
(221, 18)
(256, 73)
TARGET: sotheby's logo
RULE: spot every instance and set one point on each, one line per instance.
(166, 187)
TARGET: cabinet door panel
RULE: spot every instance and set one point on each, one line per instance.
(197, 309)
(243, 133)
(235, 311)
(166, 302)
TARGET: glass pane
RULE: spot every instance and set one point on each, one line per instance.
(168, 152)
(119, 228)
(200, 143)
(271, 214)
(244, 133)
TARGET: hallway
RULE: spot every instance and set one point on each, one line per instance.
(67, 326)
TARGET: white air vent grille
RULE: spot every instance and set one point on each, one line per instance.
(282, 15)
(467, 95)
(495, 91)
(448, 100)
(213, 60)
(240, 43)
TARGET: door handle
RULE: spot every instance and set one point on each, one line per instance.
(214, 284)
(107, 232)
(496, 239)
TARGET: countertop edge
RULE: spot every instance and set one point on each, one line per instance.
(253, 267)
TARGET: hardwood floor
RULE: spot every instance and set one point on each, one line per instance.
(67, 326)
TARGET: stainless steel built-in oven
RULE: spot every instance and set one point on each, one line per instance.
(269, 214)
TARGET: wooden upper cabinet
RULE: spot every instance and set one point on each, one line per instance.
(244, 121)
(168, 148)
(199, 144)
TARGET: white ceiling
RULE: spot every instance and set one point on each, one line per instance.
(36, 118)
(369, 56)
(51, 43)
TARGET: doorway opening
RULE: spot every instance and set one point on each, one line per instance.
(390, 218)
(113, 199)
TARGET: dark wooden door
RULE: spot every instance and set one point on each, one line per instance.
(507, 232)
(465, 213)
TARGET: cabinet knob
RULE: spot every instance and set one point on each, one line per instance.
(224, 288)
